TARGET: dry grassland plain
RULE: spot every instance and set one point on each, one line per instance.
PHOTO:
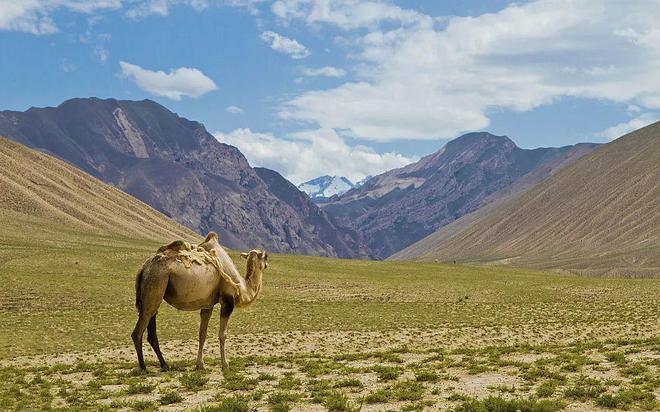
(326, 334)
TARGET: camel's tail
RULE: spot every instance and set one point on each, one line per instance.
(138, 291)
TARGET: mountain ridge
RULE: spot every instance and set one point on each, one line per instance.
(598, 215)
(395, 209)
(174, 165)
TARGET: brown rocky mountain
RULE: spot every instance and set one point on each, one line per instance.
(399, 207)
(598, 215)
(177, 167)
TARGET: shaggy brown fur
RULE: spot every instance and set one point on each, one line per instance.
(176, 246)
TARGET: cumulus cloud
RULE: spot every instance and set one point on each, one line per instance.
(621, 129)
(310, 154)
(234, 109)
(327, 71)
(178, 83)
(285, 45)
(423, 81)
(346, 14)
(34, 16)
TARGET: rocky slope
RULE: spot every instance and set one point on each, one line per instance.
(346, 241)
(177, 167)
(399, 207)
(600, 214)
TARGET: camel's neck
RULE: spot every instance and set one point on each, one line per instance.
(251, 285)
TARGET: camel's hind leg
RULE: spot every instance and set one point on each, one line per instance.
(149, 295)
(205, 315)
(138, 332)
(152, 337)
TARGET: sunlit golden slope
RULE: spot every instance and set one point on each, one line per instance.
(40, 186)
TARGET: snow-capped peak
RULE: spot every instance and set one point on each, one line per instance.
(324, 187)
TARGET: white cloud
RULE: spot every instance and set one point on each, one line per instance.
(180, 82)
(250, 5)
(621, 129)
(285, 45)
(234, 109)
(418, 81)
(147, 8)
(311, 154)
(67, 66)
(101, 53)
(346, 14)
(34, 16)
(327, 71)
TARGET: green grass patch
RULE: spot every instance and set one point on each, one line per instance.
(497, 404)
(193, 381)
(169, 397)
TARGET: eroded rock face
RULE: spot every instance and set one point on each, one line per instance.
(401, 206)
(177, 167)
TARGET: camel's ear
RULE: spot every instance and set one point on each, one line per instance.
(244, 255)
(263, 254)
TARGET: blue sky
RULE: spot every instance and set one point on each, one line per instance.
(311, 87)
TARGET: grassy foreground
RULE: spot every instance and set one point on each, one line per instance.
(326, 334)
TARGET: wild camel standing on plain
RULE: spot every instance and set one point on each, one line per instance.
(194, 287)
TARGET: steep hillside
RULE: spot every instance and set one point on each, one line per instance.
(397, 208)
(491, 204)
(600, 214)
(345, 241)
(34, 185)
(174, 165)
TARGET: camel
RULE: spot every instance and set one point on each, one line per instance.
(194, 287)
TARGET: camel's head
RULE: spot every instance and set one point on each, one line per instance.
(257, 257)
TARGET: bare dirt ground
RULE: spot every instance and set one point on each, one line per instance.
(443, 369)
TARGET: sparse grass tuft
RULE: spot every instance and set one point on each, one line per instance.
(387, 373)
(546, 389)
(193, 381)
(408, 391)
(377, 396)
(139, 387)
(170, 397)
(337, 402)
(497, 404)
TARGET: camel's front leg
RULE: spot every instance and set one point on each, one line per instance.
(205, 315)
(225, 312)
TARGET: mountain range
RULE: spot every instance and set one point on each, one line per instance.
(587, 208)
(399, 207)
(177, 167)
(598, 215)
